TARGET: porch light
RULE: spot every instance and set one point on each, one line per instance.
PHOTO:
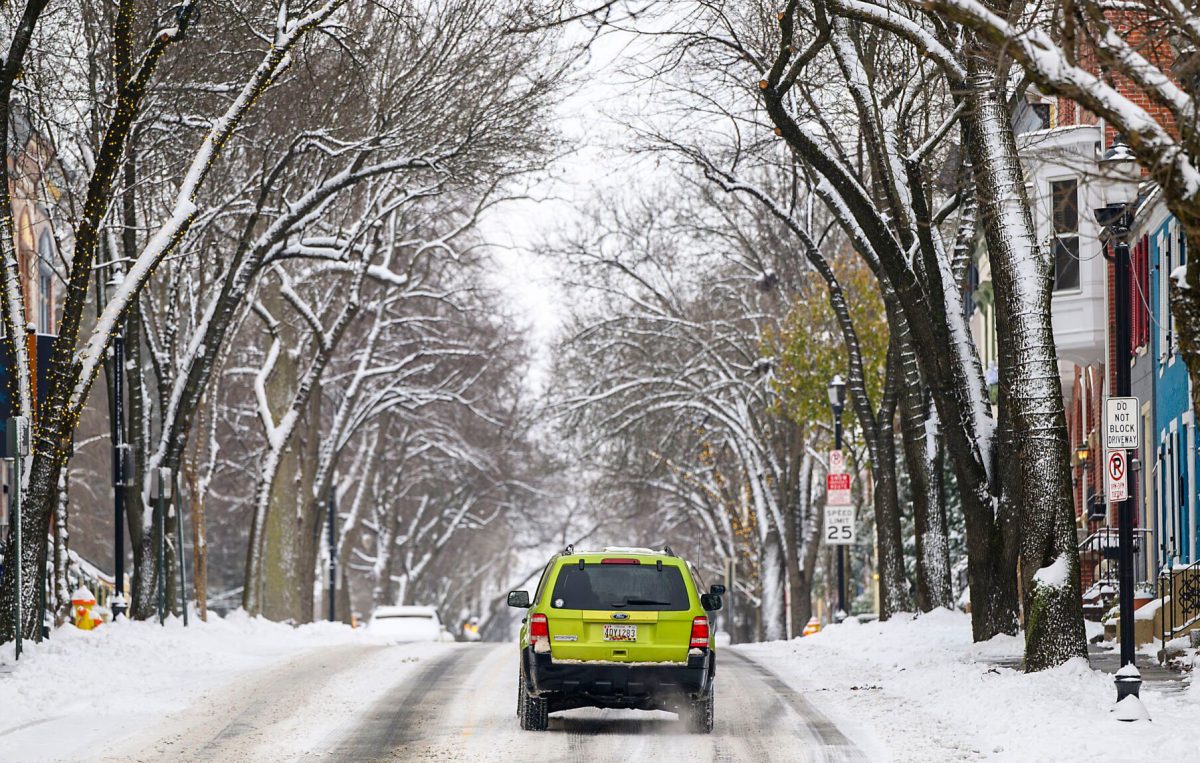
(1082, 454)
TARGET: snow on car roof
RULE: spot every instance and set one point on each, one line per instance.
(619, 550)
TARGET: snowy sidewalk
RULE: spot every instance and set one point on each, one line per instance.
(80, 692)
(921, 690)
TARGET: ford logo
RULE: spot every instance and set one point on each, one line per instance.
(620, 616)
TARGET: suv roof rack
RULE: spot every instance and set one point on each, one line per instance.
(667, 550)
(570, 549)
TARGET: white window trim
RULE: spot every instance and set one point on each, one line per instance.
(1189, 438)
(1052, 235)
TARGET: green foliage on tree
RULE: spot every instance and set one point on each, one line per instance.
(809, 348)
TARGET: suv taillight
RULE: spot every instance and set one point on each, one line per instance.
(700, 633)
(539, 628)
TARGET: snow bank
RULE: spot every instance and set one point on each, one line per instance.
(931, 694)
(79, 688)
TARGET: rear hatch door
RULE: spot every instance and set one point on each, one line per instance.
(620, 610)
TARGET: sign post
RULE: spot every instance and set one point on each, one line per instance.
(1121, 430)
(18, 444)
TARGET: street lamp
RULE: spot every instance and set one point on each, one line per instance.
(1120, 180)
(837, 398)
(1083, 455)
(837, 402)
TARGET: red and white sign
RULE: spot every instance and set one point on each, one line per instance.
(837, 462)
(837, 490)
(839, 508)
(1116, 476)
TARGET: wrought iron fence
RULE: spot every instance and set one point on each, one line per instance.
(1179, 590)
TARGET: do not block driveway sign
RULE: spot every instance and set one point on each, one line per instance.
(1121, 423)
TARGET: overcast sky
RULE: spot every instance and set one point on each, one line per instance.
(597, 166)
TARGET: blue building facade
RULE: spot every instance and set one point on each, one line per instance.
(1170, 457)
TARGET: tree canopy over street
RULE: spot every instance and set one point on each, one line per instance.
(264, 237)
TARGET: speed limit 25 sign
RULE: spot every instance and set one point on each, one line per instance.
(839, 525)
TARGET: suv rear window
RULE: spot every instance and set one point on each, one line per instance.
(631, 587)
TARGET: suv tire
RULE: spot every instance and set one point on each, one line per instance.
(535, 714)
(700, 719)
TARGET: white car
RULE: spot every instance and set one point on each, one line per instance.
(410, 623)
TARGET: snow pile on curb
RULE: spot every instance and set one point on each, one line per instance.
(931, 694)
(87, 686)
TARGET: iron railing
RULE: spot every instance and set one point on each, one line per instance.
(1179, 591)
(1099, 564)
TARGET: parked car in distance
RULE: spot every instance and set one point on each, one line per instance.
(408, 623)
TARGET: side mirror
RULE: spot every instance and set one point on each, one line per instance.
(518, 599)
(718, 589)
(710, 601)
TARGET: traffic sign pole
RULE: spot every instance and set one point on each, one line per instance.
(18, 440)
(1121, 433)
(841, 549)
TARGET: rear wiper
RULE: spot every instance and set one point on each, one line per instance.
(647, 602)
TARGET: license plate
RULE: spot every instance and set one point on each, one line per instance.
(620, 633)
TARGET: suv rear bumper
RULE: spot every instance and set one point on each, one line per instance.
(617, 685)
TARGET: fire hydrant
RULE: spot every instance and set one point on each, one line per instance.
(82, 602)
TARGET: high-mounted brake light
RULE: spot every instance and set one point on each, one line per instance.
(540, 628)
(700, 633)
(615, 560)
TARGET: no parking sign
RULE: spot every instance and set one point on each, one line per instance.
(1116, 476)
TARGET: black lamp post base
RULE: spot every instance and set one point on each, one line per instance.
(1128, 686)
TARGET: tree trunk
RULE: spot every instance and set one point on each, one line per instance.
(62, 559)
(923, 461)
(1022, 276)
(313, 505)
(772, 581)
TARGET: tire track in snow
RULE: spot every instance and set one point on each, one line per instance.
(462, 708)
(405, 714)
(458, 704)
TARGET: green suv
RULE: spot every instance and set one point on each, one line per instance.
(622, 627)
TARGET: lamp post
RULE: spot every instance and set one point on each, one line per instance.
(1118, 169)
(837, 402)
(333, 551)
(121, 465)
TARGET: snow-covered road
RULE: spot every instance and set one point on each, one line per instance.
(457, 702)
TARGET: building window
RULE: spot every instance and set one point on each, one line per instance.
(1064, 196)
(1140, 294)
(1041, 112)
(45, 285)
(969, 287)
(1166, 318)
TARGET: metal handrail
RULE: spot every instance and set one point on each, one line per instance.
(1179, 589)
(1099, 564)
